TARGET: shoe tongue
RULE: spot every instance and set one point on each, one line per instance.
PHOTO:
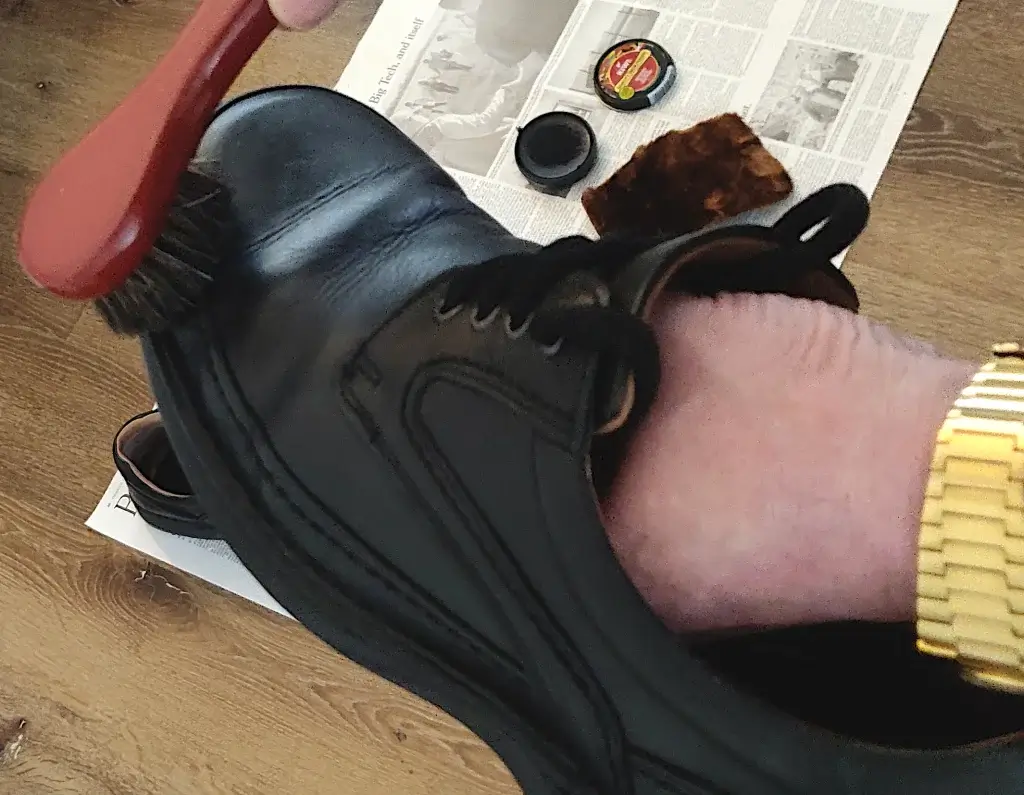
(639, 286)
(790, 257)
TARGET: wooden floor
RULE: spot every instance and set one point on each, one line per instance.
(117, 684)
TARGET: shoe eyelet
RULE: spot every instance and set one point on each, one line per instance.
(441, 314)
(518, 331)
(480, 323)
(552, 349)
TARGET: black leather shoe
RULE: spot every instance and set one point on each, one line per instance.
(400, 416)
(156, 484)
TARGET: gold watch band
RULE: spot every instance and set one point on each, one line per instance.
(970, 583)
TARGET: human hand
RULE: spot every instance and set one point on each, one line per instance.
(302, 14)
(779, 477)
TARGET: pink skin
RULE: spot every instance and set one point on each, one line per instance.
(779, 477)
(302, 14)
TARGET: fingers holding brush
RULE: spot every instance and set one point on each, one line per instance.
(302, 14)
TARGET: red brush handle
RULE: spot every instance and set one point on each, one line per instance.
(99, 211)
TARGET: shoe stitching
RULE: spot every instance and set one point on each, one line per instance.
(565, 652)
(247, 442)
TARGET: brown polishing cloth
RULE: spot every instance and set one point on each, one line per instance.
(687, 179)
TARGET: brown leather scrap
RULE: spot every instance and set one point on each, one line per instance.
(687, 179)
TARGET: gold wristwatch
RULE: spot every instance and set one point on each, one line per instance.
(970, 578)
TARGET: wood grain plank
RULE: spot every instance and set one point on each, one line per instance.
(21, 305)
(137, 28)
(134, 679)
(155, 683)
(980, 58)
(943, 262)
(949, 139)
(52, 100)
(56, 442)
(71, 82)
(202, 690)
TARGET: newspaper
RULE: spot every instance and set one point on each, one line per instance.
(827, 84)
(213, 561)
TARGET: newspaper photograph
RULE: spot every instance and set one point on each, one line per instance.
(827, 84)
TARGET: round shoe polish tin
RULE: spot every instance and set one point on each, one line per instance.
(555, 150)
(634, 74)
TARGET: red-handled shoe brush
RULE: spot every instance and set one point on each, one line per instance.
(120, 218)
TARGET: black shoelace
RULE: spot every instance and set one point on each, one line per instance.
(519, 285)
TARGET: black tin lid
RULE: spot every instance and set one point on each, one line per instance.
(634, 74)
(556, 150)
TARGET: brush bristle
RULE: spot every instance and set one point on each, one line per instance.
(175, 278)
